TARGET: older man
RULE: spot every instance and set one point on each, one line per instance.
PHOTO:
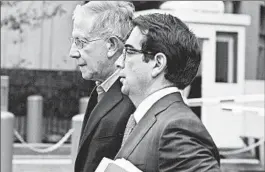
(161, 57)
(99, 29)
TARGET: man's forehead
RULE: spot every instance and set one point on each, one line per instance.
(82, 27)
(135, 38)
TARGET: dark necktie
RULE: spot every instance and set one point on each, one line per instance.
(129, 127)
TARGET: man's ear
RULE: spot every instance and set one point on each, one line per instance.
(113, 45)
(160, 64)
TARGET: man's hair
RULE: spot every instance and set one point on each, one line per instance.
(169, 35)
(112, 17)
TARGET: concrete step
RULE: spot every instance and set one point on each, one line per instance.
(244, 165)
(42, 163)
(42, 168)
(20, 149)
(40, 157)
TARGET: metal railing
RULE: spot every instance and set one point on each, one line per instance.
(226, 99)
(235, 104)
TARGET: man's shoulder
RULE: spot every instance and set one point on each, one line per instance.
(179, 115)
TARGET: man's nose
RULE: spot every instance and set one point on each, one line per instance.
(120, 62)
(74, 53)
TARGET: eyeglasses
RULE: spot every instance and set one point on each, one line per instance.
(128, 50)
(81, 43)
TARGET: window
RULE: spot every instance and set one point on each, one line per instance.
(261, 62)
(232, 7)
(236, 7)
(226, 57)
(262, 20)
(200, 40)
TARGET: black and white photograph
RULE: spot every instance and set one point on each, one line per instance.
(132, 86)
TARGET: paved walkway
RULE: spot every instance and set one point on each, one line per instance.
(42, 164)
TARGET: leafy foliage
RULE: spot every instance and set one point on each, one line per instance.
(17, 14)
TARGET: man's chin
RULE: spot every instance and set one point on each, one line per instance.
(86, 76)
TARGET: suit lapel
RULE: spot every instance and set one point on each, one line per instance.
(109, 100)
(90, 106)
(146, 123)
(136, 136)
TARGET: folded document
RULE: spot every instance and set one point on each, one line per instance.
(119, 165)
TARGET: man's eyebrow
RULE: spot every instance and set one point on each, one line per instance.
(81, 39)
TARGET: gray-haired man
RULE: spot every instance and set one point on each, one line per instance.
(99, 30)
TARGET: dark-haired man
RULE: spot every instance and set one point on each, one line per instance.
(160, 58)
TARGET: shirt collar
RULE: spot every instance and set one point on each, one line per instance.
(149, 101)
(109, 81)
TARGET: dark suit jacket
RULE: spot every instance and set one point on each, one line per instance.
(103, 127)
(170, 137)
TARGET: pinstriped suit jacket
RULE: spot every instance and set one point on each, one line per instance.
(170, 137)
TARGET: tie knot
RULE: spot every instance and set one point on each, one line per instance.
(99, 90)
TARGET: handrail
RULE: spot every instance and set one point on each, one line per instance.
(225, 99)
(240, 108)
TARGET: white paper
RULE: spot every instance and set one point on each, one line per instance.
(127, 165)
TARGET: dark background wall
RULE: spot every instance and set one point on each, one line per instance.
(61, 90)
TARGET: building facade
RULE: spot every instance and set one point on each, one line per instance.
(255, 36)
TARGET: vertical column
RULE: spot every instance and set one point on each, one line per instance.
(76, 125)
(34, 119)
(83, 104)
(7, 126)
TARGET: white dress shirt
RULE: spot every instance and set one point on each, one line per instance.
(149, 101)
